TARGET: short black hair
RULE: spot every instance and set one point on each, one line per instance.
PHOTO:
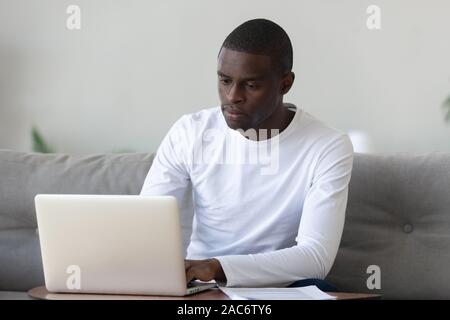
(265, 37)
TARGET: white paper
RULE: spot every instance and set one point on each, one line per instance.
(301, 293)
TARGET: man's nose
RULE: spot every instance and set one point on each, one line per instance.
(235, 94)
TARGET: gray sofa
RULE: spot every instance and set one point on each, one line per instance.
(398, 217)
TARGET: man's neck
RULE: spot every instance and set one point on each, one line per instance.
(279, 120)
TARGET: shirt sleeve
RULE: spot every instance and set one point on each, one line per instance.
(169, 172)
(319, 234)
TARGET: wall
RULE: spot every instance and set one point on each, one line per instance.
(136, 66)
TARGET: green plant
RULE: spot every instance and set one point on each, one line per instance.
(39, 143)
(41, 146)
(446, 105)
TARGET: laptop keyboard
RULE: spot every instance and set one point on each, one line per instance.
(194, 284)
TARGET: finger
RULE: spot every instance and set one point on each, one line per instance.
(200, 272)
(190, 275)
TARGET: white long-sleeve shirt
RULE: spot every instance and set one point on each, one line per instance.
(271, 211)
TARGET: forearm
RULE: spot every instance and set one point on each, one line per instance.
(277, 268)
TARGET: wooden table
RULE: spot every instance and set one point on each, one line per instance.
(210, 294)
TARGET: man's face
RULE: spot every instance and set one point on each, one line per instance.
(249, 88)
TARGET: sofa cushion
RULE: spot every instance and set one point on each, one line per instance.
(398, 219)
(398, 216)
(23, 175)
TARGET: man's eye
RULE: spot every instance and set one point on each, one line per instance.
(225, 81)
(251, 85)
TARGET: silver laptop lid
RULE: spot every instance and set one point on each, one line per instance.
(117, 244)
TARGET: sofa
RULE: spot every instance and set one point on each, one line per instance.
(396, 239)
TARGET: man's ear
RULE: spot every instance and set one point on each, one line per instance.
(288, 80)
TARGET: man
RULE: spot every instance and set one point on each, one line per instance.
(254, 227)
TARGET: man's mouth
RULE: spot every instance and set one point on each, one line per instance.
(233, 115)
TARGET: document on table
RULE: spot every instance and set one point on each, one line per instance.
(301, 293)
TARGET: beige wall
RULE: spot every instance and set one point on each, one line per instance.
(136, 66)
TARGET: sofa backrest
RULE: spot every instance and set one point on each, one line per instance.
(398, 227)
(23, 175)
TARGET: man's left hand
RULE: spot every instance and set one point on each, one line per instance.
(204, 270)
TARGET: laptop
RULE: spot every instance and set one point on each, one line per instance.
(112, 244)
